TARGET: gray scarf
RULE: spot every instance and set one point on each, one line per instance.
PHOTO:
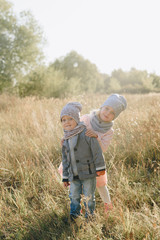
(79, 128)
(98, 125)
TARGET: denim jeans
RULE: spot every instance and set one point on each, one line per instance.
(86, 187)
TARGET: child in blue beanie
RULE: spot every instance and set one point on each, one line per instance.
(99, 124)
(82, 160)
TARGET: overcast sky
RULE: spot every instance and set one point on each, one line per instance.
(112, 34)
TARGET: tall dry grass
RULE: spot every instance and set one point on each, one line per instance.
(34, 204)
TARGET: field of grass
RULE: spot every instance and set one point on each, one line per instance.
(33, 202)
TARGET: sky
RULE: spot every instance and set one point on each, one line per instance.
(113, 34)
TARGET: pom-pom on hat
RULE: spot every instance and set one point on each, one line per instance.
(73, 110)
(117, 102)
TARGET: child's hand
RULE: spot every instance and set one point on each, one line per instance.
(99, 173)
(62, 140)
(66, 184)
(90, 133)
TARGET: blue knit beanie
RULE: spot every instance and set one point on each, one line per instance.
(72, 109)
(117, 102)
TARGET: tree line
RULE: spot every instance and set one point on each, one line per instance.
(24, 73)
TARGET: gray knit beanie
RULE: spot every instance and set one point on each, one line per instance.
(72, 109)
(117, 102)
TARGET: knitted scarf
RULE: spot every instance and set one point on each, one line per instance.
(79, 128)
(99, 125)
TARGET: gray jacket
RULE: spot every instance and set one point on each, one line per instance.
(88, 156)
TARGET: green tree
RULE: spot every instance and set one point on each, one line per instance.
(21, 42)
(114, 85)
(76, 68)
(155, 80)
(55, 84)
(31, 84)
(134, 81)
(121, 76)
(43, 81)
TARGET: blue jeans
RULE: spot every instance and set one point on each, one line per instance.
(87, 187)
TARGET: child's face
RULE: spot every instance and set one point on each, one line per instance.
(68, 123)
(106, 114)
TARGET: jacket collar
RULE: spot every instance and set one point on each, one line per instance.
(66, 143)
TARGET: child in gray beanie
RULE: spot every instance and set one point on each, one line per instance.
(82, 160)
(99, 124)
(72, 110)
(117, 102)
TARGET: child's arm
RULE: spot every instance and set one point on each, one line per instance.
(60, 170)
(91, 133)
(105, 139)
(99, 173)
(97, 155)
(65, 168)
(66, 184)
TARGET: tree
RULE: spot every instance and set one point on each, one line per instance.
(75, 67)
(114, 85)
(134, 81)
(155, 80)
(121, 76)
(20, 44)
(43, 81)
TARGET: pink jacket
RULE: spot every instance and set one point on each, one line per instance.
(104, 141)
(103, 138)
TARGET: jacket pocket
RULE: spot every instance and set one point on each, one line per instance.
(91, 168)
(87, 167)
